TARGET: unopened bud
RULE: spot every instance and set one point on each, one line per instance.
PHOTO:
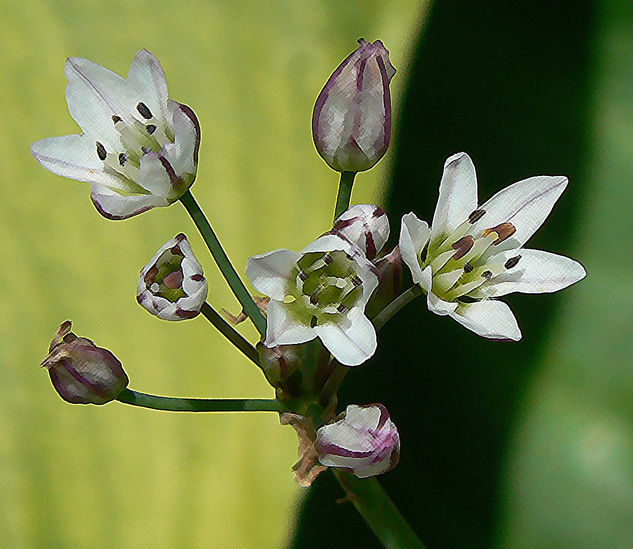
(365, 226)
(81, 372)
(351, 122)
(172, 285)
(364, 441)
(280, 362)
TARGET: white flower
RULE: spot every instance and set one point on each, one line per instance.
(318, 292)
(365, 226)
(172, 285)
(365, 441)
(472, 255)
(138, 149)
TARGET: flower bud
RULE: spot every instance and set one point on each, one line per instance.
(365, 226)
(280, 362)
(363, 441)
(81, 372)
(351, 122)
(172, 285)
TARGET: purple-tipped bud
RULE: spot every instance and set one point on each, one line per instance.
(81, 372)
(363, 441)
(365, 226)
(172, 285)
(351, 122)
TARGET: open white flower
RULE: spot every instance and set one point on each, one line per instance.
(138, 149)
(172, 285)
(318, 292)
(363, 441)
(472, 255)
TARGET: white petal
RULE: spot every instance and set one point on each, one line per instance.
(364, 417)
(73, 156)
(489, 318)
(269, 272)
(183, 153)
(352, 342)
(458, 197)
(154, 176)
(329, 243)
(439, 306)
(414, 234)
(116, 206)
(537, 272)
(283, 329)
(526, 204)
(147, 78)
(94, 94)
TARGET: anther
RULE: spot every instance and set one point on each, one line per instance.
(468, 268)
(327, 258)
(342, 308)
(151, 128)
(145, 150)
(512, 262)
(116, 118)
(122, 159)
(101, 152)
(303, 276)
(463, 246)
(314, 298)
(143, 110)
(313, 321)
(503, 230)
(476, 216)
(357, 281)
(487, 275)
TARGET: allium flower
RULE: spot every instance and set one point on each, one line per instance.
(138, 149)
(172, 285)
(472, 255)
(364, 441)
(318, 292)
(365, 226)
(351, 122)
(81, 372)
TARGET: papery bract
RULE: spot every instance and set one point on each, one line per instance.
(81, 372)
(351, 122)
(363, 441)
(138, 149)
(471, 255)
(172, 285)
(319, 292)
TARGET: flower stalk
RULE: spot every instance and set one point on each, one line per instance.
(379, 511)
(344, 192)
(171, 404)
(230, 333)
(223, 262)
(396, 305)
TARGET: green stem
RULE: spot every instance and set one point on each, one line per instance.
(380, 513)
(392, 308)
(198, 404)
(344, 192)
(230, 333)
(218, 253)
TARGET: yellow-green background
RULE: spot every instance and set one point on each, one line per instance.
(116, 476)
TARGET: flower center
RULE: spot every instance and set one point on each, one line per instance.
(459, 263)
(323, 286)
(139, 135)
(164, 279)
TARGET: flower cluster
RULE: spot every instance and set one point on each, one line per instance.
(322, 306)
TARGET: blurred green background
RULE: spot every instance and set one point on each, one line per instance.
(524, 446)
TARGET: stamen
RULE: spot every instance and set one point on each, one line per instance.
(314, 298)
(122, 159)
(313, 322)
(303, 276)
(512, 262)
(143, 110)
(357, 281)
(151, 128)
(487, 275)
(463, 246)
(342, 308)
(101, 152)
(468, 268)
(145, 150)
(476, 216)
(116, 118)
(503, 230)
(327, 258)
